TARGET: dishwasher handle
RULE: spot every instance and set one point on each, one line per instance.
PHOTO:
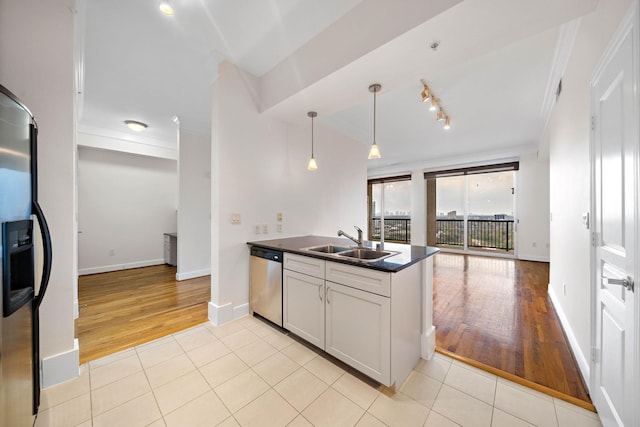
(265, 253)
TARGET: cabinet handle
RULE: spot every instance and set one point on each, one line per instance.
(320, 292)
(328, 290)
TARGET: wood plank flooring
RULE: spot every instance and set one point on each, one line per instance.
(497, 312)
(121, 309)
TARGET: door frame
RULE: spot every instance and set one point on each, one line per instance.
(630, 22)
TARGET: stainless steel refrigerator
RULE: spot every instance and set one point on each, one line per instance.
(20, 218)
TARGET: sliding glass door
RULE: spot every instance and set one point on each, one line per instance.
(474, 209)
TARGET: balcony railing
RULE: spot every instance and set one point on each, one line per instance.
(481, 233)
(395, 229)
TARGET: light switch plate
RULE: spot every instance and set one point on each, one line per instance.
(279, 216)
(235, 218)
(265, 229)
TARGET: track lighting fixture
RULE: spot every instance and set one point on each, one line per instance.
(374, 153)
(428, 95)
(434, 104)
(312, 161)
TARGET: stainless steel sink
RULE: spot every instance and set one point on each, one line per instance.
(366, 254)
(328, 249)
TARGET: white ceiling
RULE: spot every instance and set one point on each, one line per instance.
(492, 70)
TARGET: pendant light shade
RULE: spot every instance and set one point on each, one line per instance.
(374, 153)
(312, 161)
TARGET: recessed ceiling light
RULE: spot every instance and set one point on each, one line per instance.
(166, 8)
(135, 125)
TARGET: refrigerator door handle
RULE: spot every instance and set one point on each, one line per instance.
(46, 239)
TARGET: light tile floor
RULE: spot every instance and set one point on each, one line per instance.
(247, 373)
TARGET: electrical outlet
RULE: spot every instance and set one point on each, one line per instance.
(564, 289)
(265, 229)
(279, 227)
(235, 218)
(257, 228)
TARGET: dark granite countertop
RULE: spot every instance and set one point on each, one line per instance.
(407, 254)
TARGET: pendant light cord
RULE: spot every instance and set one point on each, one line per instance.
(374, 115)
(312, 137)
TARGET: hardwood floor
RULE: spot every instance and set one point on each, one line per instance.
(125, 308)
(497, 312)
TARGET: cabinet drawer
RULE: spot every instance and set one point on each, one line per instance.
(368, 280)
(304, 264)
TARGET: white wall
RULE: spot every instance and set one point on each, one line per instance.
(259, 168)
(194, 206)
(532, 208)
(36, 63)
(126, 203)
(568, 137)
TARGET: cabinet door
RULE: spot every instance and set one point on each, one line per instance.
(303, 306)
(358, 330)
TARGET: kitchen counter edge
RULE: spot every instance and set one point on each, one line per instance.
(407, 256)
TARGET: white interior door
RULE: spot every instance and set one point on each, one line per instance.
(615, 186)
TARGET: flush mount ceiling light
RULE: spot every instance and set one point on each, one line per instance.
(165, 7)
(312, 161)
(135, 125)
(374, 153)
(435, 105)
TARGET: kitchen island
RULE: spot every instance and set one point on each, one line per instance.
(373, 314)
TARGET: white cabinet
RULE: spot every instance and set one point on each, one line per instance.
(358, 330)
(303, 306)
(369, 319)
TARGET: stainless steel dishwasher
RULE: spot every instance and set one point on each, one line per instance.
(265, 284)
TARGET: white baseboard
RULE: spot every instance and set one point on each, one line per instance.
(219, 315)
(193, 274)
(583, 363)
(116, 267)
(241, 311)
(61, 367)
(428, 343)
(538, 258)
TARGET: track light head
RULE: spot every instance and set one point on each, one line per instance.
(426, 94)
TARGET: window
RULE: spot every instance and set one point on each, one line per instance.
(390, 209)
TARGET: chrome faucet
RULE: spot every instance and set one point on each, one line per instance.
(357, 241)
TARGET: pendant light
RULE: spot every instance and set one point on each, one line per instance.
(374, 153)
(312, 161)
